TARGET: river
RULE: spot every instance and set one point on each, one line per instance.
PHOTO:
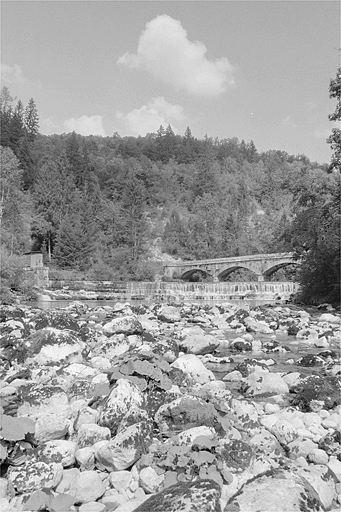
(282, 361)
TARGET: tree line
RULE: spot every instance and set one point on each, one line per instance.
(113, 206)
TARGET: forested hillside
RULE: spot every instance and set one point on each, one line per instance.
(113, 206)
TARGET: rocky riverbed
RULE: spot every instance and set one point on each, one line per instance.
(120, 408)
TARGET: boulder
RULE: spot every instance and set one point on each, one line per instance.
(280, 491)
(169, 314)
(196, 341)
(150, 481)
(59, 450)
(122, 397)
(125, 449)
(264, 383)
(50, 427)
(89, 433)
(87, 486)
(124, 324)
(185, 413)
(194, 368)
(51, 345)
(34, 475)
(38, 399)
(203, 495)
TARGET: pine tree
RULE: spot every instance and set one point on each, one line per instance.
(31, 120)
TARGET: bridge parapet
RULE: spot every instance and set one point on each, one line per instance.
(262, 265)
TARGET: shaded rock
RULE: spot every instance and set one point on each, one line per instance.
(315, 388)
(168, 349)
(202, 495)
(267, 443)
(236, 455)
(185, 413)
(60, 319)
(331, 444)
(240, 345)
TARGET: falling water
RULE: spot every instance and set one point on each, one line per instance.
(178, 291)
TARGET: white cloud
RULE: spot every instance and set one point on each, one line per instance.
(288, 122)
(85, 125)
(166, 52)
(149, 117)
(12, 74)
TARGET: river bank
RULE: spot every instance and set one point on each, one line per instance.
(150, 407)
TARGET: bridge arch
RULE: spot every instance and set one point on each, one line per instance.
(227, 271)
(186, 276)
(274, 268)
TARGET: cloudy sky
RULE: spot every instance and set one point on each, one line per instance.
(256, 70)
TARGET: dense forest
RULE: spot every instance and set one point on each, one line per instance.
(115, 207)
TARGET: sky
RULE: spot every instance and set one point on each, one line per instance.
(256, 70)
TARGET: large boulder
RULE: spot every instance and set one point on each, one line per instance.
(194, 368)
(281, 490)
(52, 345)
(202, 495)
(124, 449)
(196, 341)
(34, 475)
(185, 413)
(169, 314)
(262, 383)
(123, 396)
(123, 325)
(39, 399)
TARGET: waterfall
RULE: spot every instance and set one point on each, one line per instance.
(177, 291)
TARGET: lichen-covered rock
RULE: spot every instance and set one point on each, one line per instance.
(194, 340)
(315, 392)
(34, 475)
(202, 495)
(124, 324)
(89, 433)
(55, 318)
(58, 451)
(38, 399)
(185, 413)
(262, 383)
(236, 455)
(280, 491)
(126, 447)
(191, 365)
(51, 345)
(123, 396)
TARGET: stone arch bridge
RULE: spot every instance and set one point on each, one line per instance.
(263, 265)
